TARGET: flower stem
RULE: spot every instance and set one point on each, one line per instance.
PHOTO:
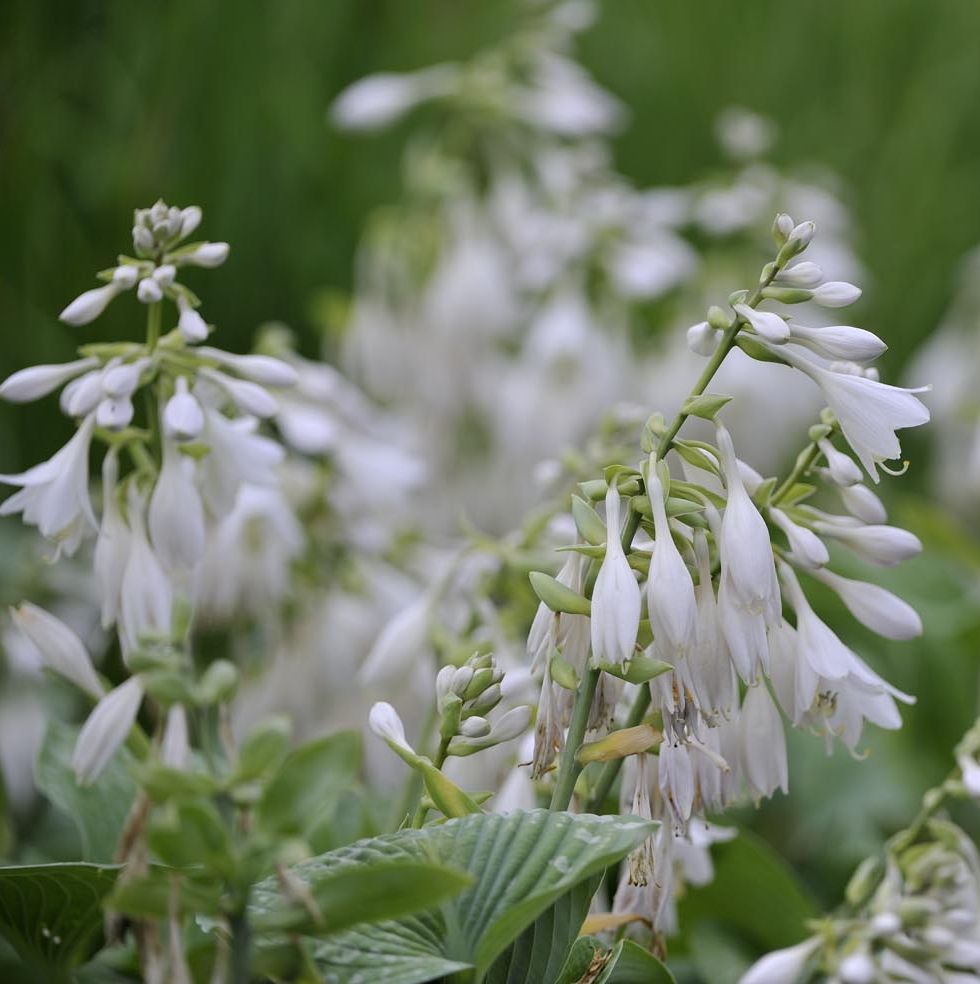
(568, 766)
(611, 769)
(438, 761)
(803, 464)
(239, 968)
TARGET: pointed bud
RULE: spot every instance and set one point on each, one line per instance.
(861, 502)
(836, 293)
(803, 274)
(175, 747)
(782, 226)
(386, 724)
(208, 255)
(164, 275)
(190, 219)
(248, 397)
(262, 369)
(88, 306)
(766, 324)
(105, 730)
(122, 380)
(807, 548)
(142, 240)
(874, 606)
(37, 381)
(191, 325)
(883, 545)
(125, 276)
(183, 417)
(844, 470)
(839, 342)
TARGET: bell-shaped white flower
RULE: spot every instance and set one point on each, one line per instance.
(192, 327)
(676, 775)
(208, 255)
(247, 396)
(37, 381)
(386, 724)
(702, 339)
(843, 470)
(670, 590)
(886, 546)
(766, 324)
(262, 369)
(874, 606)
(835, 294)
(807, 548)
(183, 416)
(762, 744)
(89, 305)
(839, 342)
(105, 730)
(176, 514)
(744, 544)
(61, 650)
(112, 543)
(862, 503)
(869, 412)
(54, 495)
(744, 633)
(616, 599)
(175, 747)
(782, 966)
(146, 594)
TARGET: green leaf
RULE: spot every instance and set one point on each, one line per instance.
(99, 811)
(585, 955)
(557, 596)
(185, 835)
(521, 864)
(52, 913)
(308, 785)
(705, 406)
(625, 963)
(149, 896)
(587, 521)
(353, 894)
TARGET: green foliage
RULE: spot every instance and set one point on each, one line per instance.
(625, 963)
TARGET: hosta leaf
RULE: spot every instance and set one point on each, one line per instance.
(52, 913)
(590, 961)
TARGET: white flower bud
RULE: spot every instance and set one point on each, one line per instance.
(248, 397)
(861, 502)
(970, 774)
(175, 748)
(37, 381)
(782, 966)
(105, 730)
(474, 727)
(801, 236)
(857, 968)
(81, 396)
(142, 240)
(149, 291)
(444, 685)
(114, 414)
(839, 342)
(766, 324)
(400, 644)
(190, 219)
(803, 274)
(882, 545)
(385, 723)
(164, 275)
(462, 677)
(807, 548)
(191, 325)
(885, 924)
(512, 724)
(782, 227)
(836, 293)
(61, 650)
(874, 606)
(183, 417)
(259, 368)
(702, 339)
(208, 255)
(176, 514)
(125, 276)
(88, 306)
(843, 469)
(122, 380)
(157, 212)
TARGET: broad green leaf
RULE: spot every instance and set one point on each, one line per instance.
(308, 785)
(592, 961)
(351, 894)
(99, 811)
(521, 864)
(52, 913)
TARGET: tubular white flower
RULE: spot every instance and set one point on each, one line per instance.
(744, 544)
(146, 595)
(248, 397)
(702, 339)
(175, 747)
(81, 396)
(176, 514)
(61, 650)
(886, 546)
(616, 599)
(712, 673)
(861, 502)
(766, 324)
(843, 470)
(112, 544)
(183, 416)
(676, 777)
(114, 414)
(670, 590)
(835, 294)
(385, 723)
(208, 255)
(806, 546)
(122, 380)
(782, 966)
(762, 744)
(869, 412)
(744, 633)
(37, 381)
(263, 369)
(88, 306)
(54, 495)
(192, 327)
(874, 606)
(149, 291)
(804, 274)
(105, 730)
(839, 342)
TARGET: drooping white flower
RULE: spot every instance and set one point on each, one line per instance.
(862, 503)
(782, 966)
(874, 606)
(61, 650)
(183, 416)
(105, 730)
(839, 342)
(886, 546)
(766, 324)
(806, 546)
(247, 396)
(176, 514)
(37, 381)
(386, 724)
(616, 600)
(762, 744)
(89, 305)
(54, 495)
(262, 369)
(192, 327)
(702, 339)
(843, 470)
(744, 633)
(112, 543)
(670, 590)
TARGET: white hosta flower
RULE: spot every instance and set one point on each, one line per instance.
(616, 599)
(400, 644)
(782, 966)
(802, 235)
(744, 633)
(82, 395)
(112, 543)
(105, 730)
(670, 590)
(744, 544)
(546, 627)
(886, 546)
(766, 324)
(165, 274)
(262, 369)
(121, 380)
(386, 724)
(146, 594)
(208, 255)
(183, 416)
(61, 650)
(712, 674)
(676, 775)
(37, 381)
(88, 306)
(247, 396)
(857, 968)
(835, 294)
(804, 274)
(862, 503)
(702, 339)
(869, 412)
(175, 747)
(192, 327)
(149, 291)
(807, 548)
(839, 342)
(54, 495)
(176, 514)
(377, 100)
(762, 744)
(190, 219)
(970, 775)
(874, 606)
(843, 470)
(114, 413)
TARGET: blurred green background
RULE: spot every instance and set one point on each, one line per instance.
(104, 106)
